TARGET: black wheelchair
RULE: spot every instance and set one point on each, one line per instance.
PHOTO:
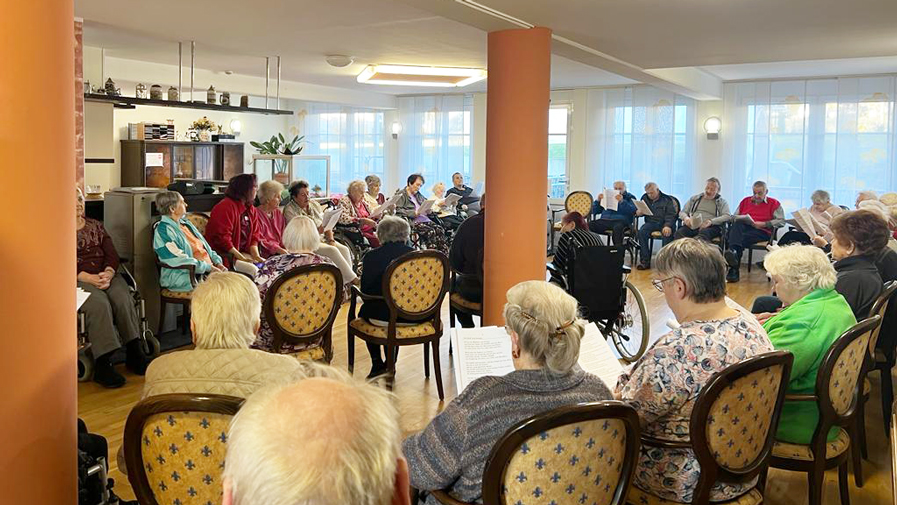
(350, 236)
(597, 278)
(150, 343)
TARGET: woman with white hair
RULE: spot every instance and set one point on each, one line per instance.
(357, 211)
(271, 219)
(373, 195)
(177, 242)
(301, 239)
(543, 324)
(664, 383)
(815, 315)
(822, 211)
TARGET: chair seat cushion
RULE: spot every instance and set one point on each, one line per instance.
(417, 330)
(459, 300)
(310, 354)
(183, 295)
(802, 452)
(638, 497)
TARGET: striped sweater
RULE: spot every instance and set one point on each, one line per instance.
(451, 451)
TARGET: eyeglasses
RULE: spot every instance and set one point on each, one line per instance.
(658, 284)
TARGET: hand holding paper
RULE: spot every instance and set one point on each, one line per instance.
(331, 217)
(386, 206)
(425, 207)
(610, 199)
(642, 208)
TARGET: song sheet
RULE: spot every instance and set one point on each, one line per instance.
(610, 200)
(386, 206)
(643, 208)
(744, 218)
(804, 221)
(696, 221)
(81, 296)
(425, 207)
(330, 218)
(450, 200)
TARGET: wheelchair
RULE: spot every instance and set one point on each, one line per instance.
(150, 343)
(598, 279)
(349, 236)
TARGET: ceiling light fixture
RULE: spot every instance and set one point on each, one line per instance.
(408, 75)
(339, 60)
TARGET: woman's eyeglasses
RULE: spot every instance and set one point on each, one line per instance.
(658, 283)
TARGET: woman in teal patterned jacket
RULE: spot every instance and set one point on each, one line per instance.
(177, 242)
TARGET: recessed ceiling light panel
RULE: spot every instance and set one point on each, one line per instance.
(407, 75)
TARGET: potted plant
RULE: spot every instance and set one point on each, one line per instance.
(204, 126)
(278, 145)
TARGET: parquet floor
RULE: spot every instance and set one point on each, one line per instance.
(105, 411)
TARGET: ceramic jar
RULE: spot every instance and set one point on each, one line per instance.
(140, 92)
(173, 94)
(210, 95)
(155, 92)
(225, 98)
(244, 101)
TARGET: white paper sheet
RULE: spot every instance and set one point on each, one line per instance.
(81, 296)
(744, 218)
(696, 221)
(610, 201)
(155, 159)
(330, 218)
(598, 358)
(450, 200)
(386, 206)
(643, 208)
(804, 221)
(425, 207)
(246, 268)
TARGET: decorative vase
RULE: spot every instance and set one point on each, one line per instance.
(225, 98)
(244, 101)
(205, 136)
(156, 92)
(173, 94)
(282, 177)
(210, 95)
(141, 90)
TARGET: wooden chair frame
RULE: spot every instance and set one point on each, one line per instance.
(325, 333)
(711, 471)
(177, 402)
(165, 300)
(659, 235)
(587, 215)
(773, 238)
(828, 418)
(391, 342)
(455, 308)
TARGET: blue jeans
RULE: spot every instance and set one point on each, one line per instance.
(644, 239)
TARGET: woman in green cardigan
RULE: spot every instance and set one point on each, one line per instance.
(815, 315)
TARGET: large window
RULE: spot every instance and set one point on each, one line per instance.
(558, 121)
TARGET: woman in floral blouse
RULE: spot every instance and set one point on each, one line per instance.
(664, 383)
(357, 211)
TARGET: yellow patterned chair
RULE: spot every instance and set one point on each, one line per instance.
(732, 428)
(200, 220)
(175, 445)
(301, 306)
(578, 454)
(414, 287)
(837, 388)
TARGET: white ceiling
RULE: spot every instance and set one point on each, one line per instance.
(813, 68)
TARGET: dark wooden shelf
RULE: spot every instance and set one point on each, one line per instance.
(130, 100)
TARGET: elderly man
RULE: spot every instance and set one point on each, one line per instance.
(704, 213)
(664, 210)
(615, 221)
(468, 197)
(765, 214)
(327, 440)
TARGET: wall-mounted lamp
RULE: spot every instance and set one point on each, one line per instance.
(236, 126)
(396, 129)
(712, 126)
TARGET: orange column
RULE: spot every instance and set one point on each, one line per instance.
(37, 254)
(517, 103)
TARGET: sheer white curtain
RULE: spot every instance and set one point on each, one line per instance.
(800, 136)
(436, 138)
(641, 134)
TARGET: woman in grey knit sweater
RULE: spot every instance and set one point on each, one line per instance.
(451, 451)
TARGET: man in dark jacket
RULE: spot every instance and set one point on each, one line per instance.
(665, 210)
(615, 221)
(466, 256)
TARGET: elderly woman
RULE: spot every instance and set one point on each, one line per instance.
(233, 229)
(302, 205)
(431, 234)
(301, 239)
(373, 195)
(109, 311)
(815, 315)
(271, 219)
(357, 211)
(177, 243)
(664, 383)
(823, 211)
(575, 233)
(545, 332)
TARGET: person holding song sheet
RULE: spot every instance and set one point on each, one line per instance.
(755, 220)
(617, 212)
(661, 216)
(664, 383)
(413, 206)
(704, 213)
(357, 211)
(271, 219)
(821, 212)
(373, 194)
(543, 324)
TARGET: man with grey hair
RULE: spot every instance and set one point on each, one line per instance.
(664, 211)
(324, 440)
(614, 221)
(704, 214)
(766, 215)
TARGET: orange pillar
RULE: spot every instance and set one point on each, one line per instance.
(517, 103)
(37, 254)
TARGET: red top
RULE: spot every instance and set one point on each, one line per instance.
(762, 211)
(95, 248)
(232, 224)
(270, 231)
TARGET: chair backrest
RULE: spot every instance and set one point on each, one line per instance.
(880, 308)
(734, 421)
(415, 284)
(199, 220)
(175, 445)
(595, 278)
(577, 454)
(302, 303)
(579, 201)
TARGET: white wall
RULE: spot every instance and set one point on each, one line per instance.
(709, 153)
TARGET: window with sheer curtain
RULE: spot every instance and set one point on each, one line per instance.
(436, 138)
(800, 136)
(353, 138)
(558, 177)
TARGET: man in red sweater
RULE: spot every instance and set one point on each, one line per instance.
(766, 215)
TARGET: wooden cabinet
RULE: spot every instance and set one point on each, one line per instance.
(157, 163)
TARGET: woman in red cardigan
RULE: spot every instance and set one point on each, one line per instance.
(233, 228)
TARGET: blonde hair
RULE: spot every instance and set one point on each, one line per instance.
(360, 185)
(437, 186)
(804, 267)
(225, 311)
(545, 318)
(269, 190)
(345, 431)
(301, 234)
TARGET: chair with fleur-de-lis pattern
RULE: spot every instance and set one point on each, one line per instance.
(732, 428)
(175, 445)
(577, 201)
(301, 306)
(837, 389)
(414, 286)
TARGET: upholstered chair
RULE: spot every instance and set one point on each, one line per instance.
(200, 220)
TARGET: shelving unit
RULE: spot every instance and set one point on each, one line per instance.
(130, 100)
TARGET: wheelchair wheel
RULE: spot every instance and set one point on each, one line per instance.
(631, 330)
(151, 345)
(85, 367)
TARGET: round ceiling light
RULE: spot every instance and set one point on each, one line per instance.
(339, 60)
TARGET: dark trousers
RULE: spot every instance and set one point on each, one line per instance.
(795, 237)
(743, 235)
(766, 304)
(705, 234)
(644, 239)
(471, 291)
(377, 356)
(615, 226)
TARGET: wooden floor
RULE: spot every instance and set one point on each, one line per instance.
(105, 411)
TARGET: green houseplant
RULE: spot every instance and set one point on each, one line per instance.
(278, 145)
